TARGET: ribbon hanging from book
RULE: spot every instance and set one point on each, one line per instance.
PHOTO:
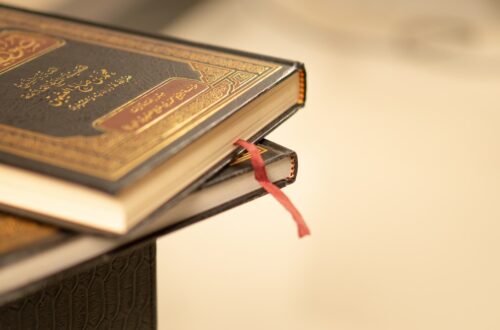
(261, 176)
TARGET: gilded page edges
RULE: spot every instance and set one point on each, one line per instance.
(302, 87)
(17, 233)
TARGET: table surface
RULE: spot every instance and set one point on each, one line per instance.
(398, 179)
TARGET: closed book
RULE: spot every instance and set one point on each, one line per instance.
(100, 127)
(31, 252)
(118, 292)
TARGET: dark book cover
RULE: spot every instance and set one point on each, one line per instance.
(102, 107)
(116, 292)
(22, 238)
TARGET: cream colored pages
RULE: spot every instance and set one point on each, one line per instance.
(398, 175)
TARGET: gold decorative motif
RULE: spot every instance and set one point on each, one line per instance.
(125, 41)
(18, 47)
(241, 78)
(246, 156)
(17, 232)
(114, 153)
(210, 74)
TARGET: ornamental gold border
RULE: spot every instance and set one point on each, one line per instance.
(112, 155)
(246, 155)
(57, 44)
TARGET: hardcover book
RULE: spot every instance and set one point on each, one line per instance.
(99, 127)
(118, 292)
(31, 251)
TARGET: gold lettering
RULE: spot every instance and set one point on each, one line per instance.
(62, 87)
(51, 82)
(108, 88)
(38, 77)
(163, 103)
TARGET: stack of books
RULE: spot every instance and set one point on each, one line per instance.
(110, 138)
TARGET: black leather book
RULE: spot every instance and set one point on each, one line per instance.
(30, 251)
(117, 292)
(100, 126)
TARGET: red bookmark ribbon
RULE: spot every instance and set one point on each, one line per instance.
(259, 168)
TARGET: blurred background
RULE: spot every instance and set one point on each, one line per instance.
(399, 168)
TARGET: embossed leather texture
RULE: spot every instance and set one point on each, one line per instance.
(114, 292)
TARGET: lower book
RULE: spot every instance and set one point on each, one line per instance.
(116, 292)
(31, 252)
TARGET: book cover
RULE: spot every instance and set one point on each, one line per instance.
(118, 292)
(102, 107)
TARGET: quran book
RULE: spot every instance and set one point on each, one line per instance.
(31, 251)
(99, 127)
